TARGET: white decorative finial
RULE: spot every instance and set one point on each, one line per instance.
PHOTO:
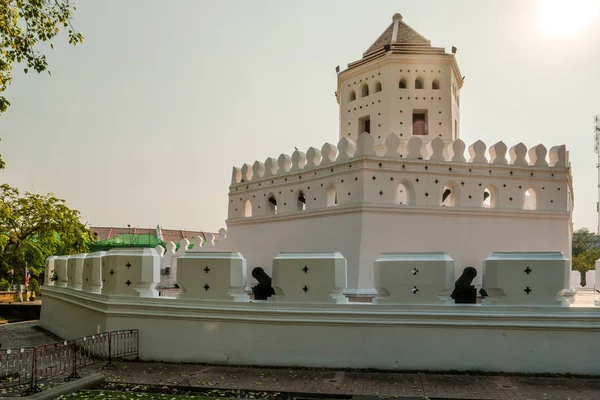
(395, 22)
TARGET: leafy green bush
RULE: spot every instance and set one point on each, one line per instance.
(4, 285)
(34, 286)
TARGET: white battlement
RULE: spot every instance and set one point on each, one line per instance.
(404, 175)
(400, 278)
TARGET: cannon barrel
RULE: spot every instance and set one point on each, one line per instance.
(264, 289)
(261, 276)
(463, 291)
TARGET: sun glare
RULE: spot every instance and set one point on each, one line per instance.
(566, 17)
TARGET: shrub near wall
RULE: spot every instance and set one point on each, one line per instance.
(34, 286)
(4, 285)
(6, 295)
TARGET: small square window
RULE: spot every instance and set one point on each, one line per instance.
(419, 126)
(364, 124)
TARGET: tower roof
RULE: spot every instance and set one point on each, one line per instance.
(398, 38)
(398, 32)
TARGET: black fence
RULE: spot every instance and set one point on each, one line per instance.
(29, 365)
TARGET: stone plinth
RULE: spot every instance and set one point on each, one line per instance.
(131, 272)
(212, 276)
(75, 271)
(92, 272)
(60, 266)
(49, 271)
(590, 279)
(413, 278)
(526, 278)
(575, 282)
(309, 278)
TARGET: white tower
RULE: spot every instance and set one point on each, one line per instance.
(401, 85)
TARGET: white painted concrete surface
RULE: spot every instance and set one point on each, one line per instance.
(309, 278)
(212, 276)
(413, 278)
(534, 278)
(467, 337)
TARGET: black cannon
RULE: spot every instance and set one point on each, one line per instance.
(263, 290)
(464, 292)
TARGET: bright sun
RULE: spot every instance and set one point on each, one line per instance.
(566, 17)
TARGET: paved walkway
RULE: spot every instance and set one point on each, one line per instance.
(356, 383)
(585, 298)
(340, 383)
(24, 334)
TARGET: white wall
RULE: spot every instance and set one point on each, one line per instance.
(68, 318)
(529, 339)
(332, 232)
(361, 234)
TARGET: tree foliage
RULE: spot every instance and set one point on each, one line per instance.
(34, 227)
(583, 239)
(2, 165)
(585, 250)
(24, 24)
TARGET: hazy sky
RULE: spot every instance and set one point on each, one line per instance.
(142, 123)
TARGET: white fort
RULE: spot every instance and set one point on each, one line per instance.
(398, 179)
(391, 215)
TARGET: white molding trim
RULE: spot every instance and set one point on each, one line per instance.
(396, 209)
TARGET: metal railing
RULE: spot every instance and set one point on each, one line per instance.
(29, 365)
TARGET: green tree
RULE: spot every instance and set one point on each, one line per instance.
(583, 240)
(34, 227)
(24, 24)
(585, 251)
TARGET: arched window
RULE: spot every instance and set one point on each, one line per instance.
(364, 90)
(331, 196)
(402, 84)
(530, 199)
(435, 85)
(404, 194)
(352, 96)
(419, 83)
(378, 87)
(272, 205)
(301, 201)
(247, 209)
(490, 197)
(449, 195)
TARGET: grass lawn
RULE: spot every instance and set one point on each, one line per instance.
(97, 394)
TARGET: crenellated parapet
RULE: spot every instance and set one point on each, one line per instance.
(404, 175)
(514, 278)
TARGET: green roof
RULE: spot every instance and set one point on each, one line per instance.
(127, 240)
